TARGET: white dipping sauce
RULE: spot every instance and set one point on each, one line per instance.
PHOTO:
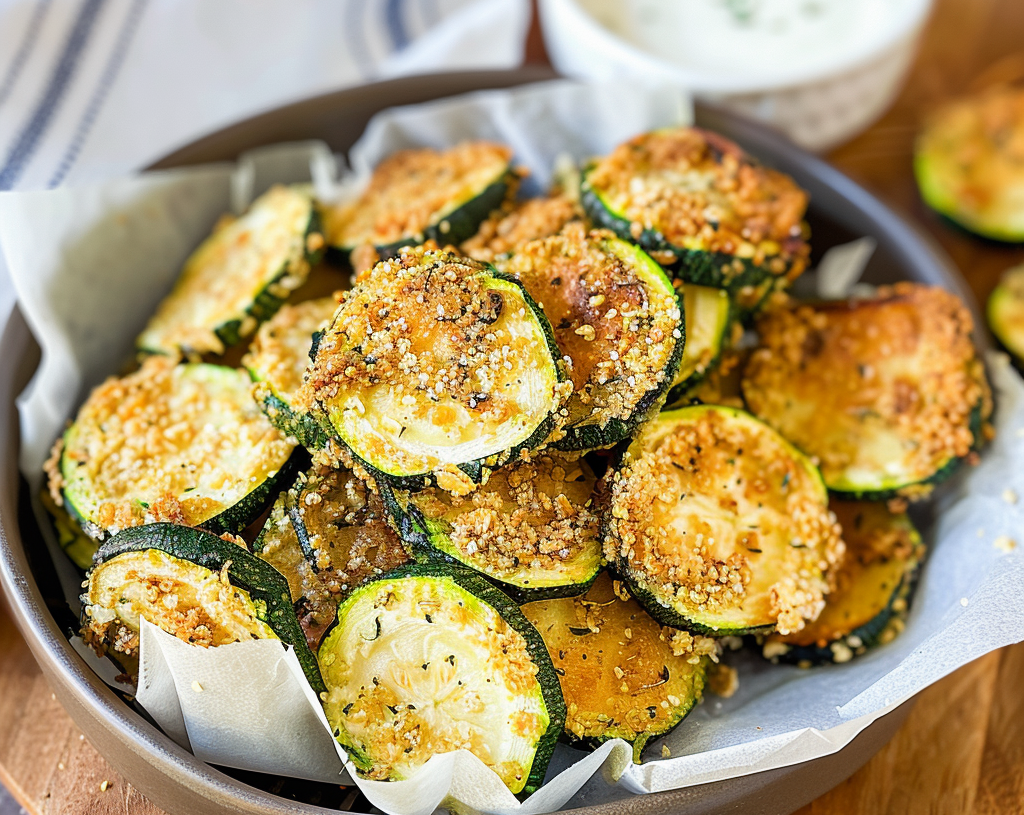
(741, 38)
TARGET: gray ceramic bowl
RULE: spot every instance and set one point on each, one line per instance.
(170, 776)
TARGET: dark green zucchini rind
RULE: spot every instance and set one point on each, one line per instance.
(874, 588)
(425, 601)
(265, 586)
(748, 543)
(436, 369)
(238, 277)
(292, 423)
(709, 322)
(531, 528)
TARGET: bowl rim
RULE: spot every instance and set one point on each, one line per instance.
(904, 25)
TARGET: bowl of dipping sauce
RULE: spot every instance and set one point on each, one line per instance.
(819, 70)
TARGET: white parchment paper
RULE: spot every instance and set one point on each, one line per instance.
(90, 264)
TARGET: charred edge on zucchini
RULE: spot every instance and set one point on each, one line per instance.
(719, 525)
(531, 527)
(507, 230)
(622, 674)
(617, 320)
(418, 195)
(152, 569)
(874, 586)
(887, 393)
(474, 663)
(1006, 312)
(708, 326)
(695, 200)
(238, 277)
(436, 367)
(178, 443)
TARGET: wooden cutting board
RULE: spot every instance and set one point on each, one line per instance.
(960, 752)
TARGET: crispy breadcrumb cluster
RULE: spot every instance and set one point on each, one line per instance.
(697, 189)
(505, 231)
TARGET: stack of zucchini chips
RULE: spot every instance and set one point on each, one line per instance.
(518, 481)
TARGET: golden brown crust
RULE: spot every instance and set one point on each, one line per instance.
(507, 230)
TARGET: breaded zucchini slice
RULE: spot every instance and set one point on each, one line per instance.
(618, 321)
(436, 366)
(277, 359)
(1006, 312)
(885, 392)
(696, 201)
(431, 659)
(873, 589)
(719, 525)
(205, 590)
(967, 161)
(424, 194)
(238, 277)
(531, 527)
(508, 229)
(328, 534)
(623, 676)
(709, 326)
(180, 443)
(78, 546)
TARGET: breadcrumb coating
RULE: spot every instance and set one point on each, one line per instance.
(507, 230)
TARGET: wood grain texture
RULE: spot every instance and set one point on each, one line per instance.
(961, 751)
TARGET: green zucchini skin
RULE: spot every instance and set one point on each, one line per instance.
(300, 426)
(266, 586)
(509, 611)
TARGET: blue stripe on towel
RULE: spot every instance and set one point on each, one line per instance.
(24, 51)
(99, 96)
(393, 19)
(28, 140)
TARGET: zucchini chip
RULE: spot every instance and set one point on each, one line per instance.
(506, 231)
(967, 161)
(1006, 312)
(623, 676)
(277, 359)
(708, 325)
(420, 195)
(431, 659)
(530, 527)
(695, 200)
(886, 393)
(204, 590)
(873, 589)
(436, 365)
(238, 277)
(616, 319)
(78, 546)
(719, 525)
(328, 535)
(179, 443)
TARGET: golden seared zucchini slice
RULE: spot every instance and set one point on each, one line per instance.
(510, 228)
(616, 318)
(205, 590)
(238, 277)
(277, 359)
(696, 201)
(179, 443)
(708, 328)
(967, 161)
(887, 393)
(1006, 312)
(436, 365)
(873, 589)
(623, 676)
(719, 525)
(431, 659)
(418, 195)
(531, 527)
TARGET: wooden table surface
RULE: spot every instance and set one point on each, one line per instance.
(962, 749)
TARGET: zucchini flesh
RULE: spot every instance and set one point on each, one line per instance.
(180, 443)
(203, 589)
(530, 527)
(238, 277)
(623, 676)
(719, 525)
(884, 392)
(502, 234)
(420, 195)
(873, 587)
(78, 546)
(277, 359)
(708, 322)
(436, 366)
(967, 163)
(694, 199)
(1006, 312)
(432, 659)
(617, 319)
